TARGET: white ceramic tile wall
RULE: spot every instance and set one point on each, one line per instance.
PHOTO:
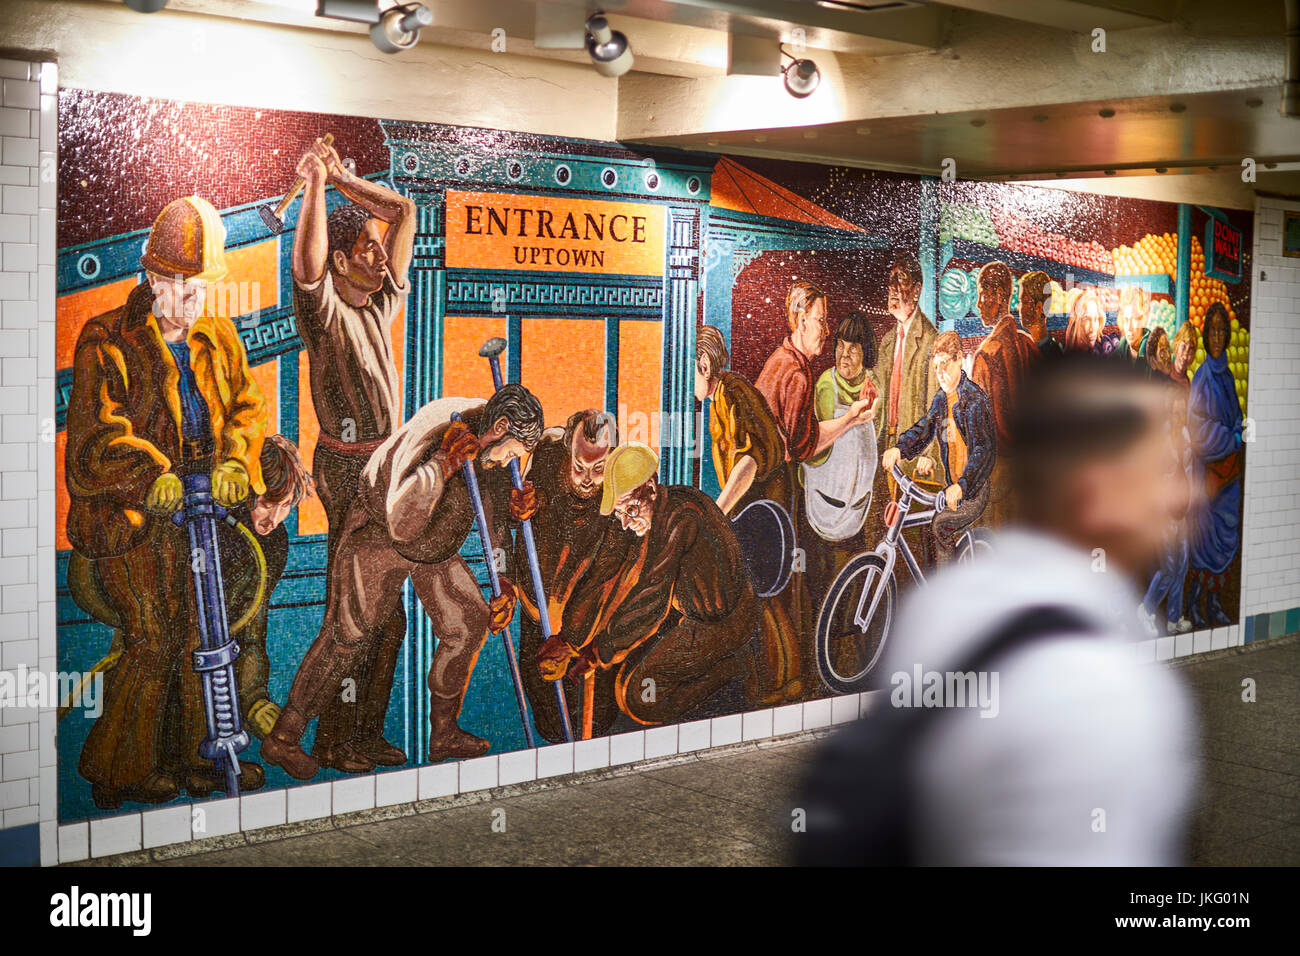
(27, 164)
(1271, 534)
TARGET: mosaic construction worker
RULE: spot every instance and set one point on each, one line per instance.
(681, 621)
(349, 282)
(410, 520)
(159, 390)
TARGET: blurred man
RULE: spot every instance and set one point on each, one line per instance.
(575, 543)
(1035, 289)
(960, 422)
(749, 459)
(1131, 317)
(160, 390)
(349, 282)
(681, 620)
(410, 520)
(1085, 763)
(998, 367)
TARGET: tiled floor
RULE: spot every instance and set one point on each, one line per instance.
(735, 808)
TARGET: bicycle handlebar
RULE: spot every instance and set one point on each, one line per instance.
(936, 499)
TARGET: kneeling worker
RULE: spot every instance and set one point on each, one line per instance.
(686, 559)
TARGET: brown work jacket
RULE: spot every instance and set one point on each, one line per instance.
(124, 418)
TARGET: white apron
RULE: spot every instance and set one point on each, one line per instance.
(837, 493)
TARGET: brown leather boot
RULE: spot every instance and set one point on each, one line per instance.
(203, 781)
(380, 751)
(343, 757)
(446, 740)
(282, 746)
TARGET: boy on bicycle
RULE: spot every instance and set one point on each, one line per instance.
(961, 421)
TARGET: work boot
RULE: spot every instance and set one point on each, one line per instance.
(343, 757)
(1214, 610)
(158, 787)
(282, 747)
(446, 739)
(1193, 604)
(203, 781)
(380, 751)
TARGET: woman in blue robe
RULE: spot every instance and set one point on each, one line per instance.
(1214, 422)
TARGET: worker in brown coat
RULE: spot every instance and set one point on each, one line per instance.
(681, 620)
(410, 519)
(159, 390)
(577, 547)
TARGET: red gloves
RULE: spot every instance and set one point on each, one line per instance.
(523, 502)
(459, 445)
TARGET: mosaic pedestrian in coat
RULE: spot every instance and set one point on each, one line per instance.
(410, 519)
(681, 622)
(349, 283)
(1214, 422)
(749, 460)
(159, 390)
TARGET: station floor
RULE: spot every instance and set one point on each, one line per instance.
(733, 809)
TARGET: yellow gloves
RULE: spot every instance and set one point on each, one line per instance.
(165, 494)
(229, 483)
(230, 486)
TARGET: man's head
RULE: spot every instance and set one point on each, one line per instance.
(903, 284)
(356, 248)
(710, 359)
(1184, 349)
(1087, 320)
(855, 346)
(511, 426)
(589, 436)
(1155, 349)
(994, 292)
(185, 252)
(1035, 289)
(946, 356)
(805, 312)
(287, 482)
(1216, 330)
(1090, 456)
(1131, 315)
(631, 487)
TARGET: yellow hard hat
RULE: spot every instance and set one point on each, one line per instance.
(628, 467)
(187, 239)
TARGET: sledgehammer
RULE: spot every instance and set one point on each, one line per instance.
(274, 218)
(491, 351)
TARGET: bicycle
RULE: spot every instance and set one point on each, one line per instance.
(858, 611)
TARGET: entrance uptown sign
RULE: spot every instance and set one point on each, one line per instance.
(553, 234)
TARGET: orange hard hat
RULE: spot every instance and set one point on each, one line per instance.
(187, 239)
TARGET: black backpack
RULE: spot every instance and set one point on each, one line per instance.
(859, 795)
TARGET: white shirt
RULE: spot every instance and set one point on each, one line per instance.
(1086, 736)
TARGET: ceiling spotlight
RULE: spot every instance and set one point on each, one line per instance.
(399, 27)
(146, 6)
(801, 76)
(608, 48)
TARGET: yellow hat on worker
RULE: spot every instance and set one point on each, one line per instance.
(187, 239)
(627, 467)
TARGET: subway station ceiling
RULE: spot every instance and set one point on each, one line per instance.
(1004, 89)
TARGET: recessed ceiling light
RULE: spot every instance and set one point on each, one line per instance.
(1105, 112)
(1176, 107)
(1162, 169)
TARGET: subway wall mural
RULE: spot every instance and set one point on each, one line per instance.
(384, 443)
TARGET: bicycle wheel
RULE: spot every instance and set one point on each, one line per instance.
(975, 545)
(848, 647)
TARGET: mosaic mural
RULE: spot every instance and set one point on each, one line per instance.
(385, 443)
